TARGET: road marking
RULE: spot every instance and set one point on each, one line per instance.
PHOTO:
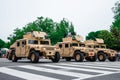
(64, 69)
(82, 69)
(96, 64)
(24, 75)
(82, 76)
(96, 76)
(86, 66)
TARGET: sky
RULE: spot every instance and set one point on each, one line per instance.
(86, 15)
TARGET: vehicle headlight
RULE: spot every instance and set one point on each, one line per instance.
(37, 46)
(44, 48)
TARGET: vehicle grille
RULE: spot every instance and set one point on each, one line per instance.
(112, 51)
(49, 48)
(91, 50)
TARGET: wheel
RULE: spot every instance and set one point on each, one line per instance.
(56, 57)
(78, 56)
(34, 57)
(87, 58)
(112, 58)
(9, 56)
(93, 58)
(101, 56)
(14, 58)
(68, 59)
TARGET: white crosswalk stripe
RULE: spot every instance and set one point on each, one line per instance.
(90, 70)
(63, 69)
(58, 72)
(89, 66)
(104, 64)
(24, 75)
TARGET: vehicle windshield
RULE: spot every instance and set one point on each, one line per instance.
(74, 44)
(44, 42)
(32, 42)
(82, 45)
(96, 46)
(89, 46)
(103, 46)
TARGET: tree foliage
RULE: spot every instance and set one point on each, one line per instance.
(115, 27)
(103, 34)
(107, 37)
(92, 35)
(112, 37)
(2, 43)
(56, 31)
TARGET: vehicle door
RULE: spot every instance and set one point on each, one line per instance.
(66, 49)
(23, 48)
(71, 48)
(18, 48)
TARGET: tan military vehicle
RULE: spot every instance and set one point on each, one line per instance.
(102, 52)
(71, 48)
(33, 46)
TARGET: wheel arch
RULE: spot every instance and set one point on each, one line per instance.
(102, 52)
(77, 51)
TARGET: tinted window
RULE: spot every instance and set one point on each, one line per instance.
(82, 45)
(89, 46)
(33, 42)
(23, 43)
(102, 46)
(18, 44)
(44, 42)
(74, 44)
(96, 46)
(66, 45)
(60, 45)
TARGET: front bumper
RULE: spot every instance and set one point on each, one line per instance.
(49, 53)
(90, 54)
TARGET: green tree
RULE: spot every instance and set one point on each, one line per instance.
(56, 31)
(115, 27)
(103, 34)
(2, 43)
(61, 30)
(92, 35)
(107, 37)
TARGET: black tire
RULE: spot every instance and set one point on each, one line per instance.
(78, 56)
(56, 58)
(87, 58)
(93, 58)
(9, 56)
(68, 59)
(14, 58)
(34, 57)
(101, 56)
(112, 59)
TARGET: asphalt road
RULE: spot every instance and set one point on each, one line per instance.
(46, 70)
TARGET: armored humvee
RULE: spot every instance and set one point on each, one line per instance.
(102, 52)
(33, 46)
(70, 48)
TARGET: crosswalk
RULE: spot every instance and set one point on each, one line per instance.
(62, 71)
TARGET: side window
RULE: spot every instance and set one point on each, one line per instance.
(18, 44)
(23, 43)
(70, 45)
(89, 46)
(33, 42)
(66, 45)
(82, 45)
(96, 46)
(60, 45)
